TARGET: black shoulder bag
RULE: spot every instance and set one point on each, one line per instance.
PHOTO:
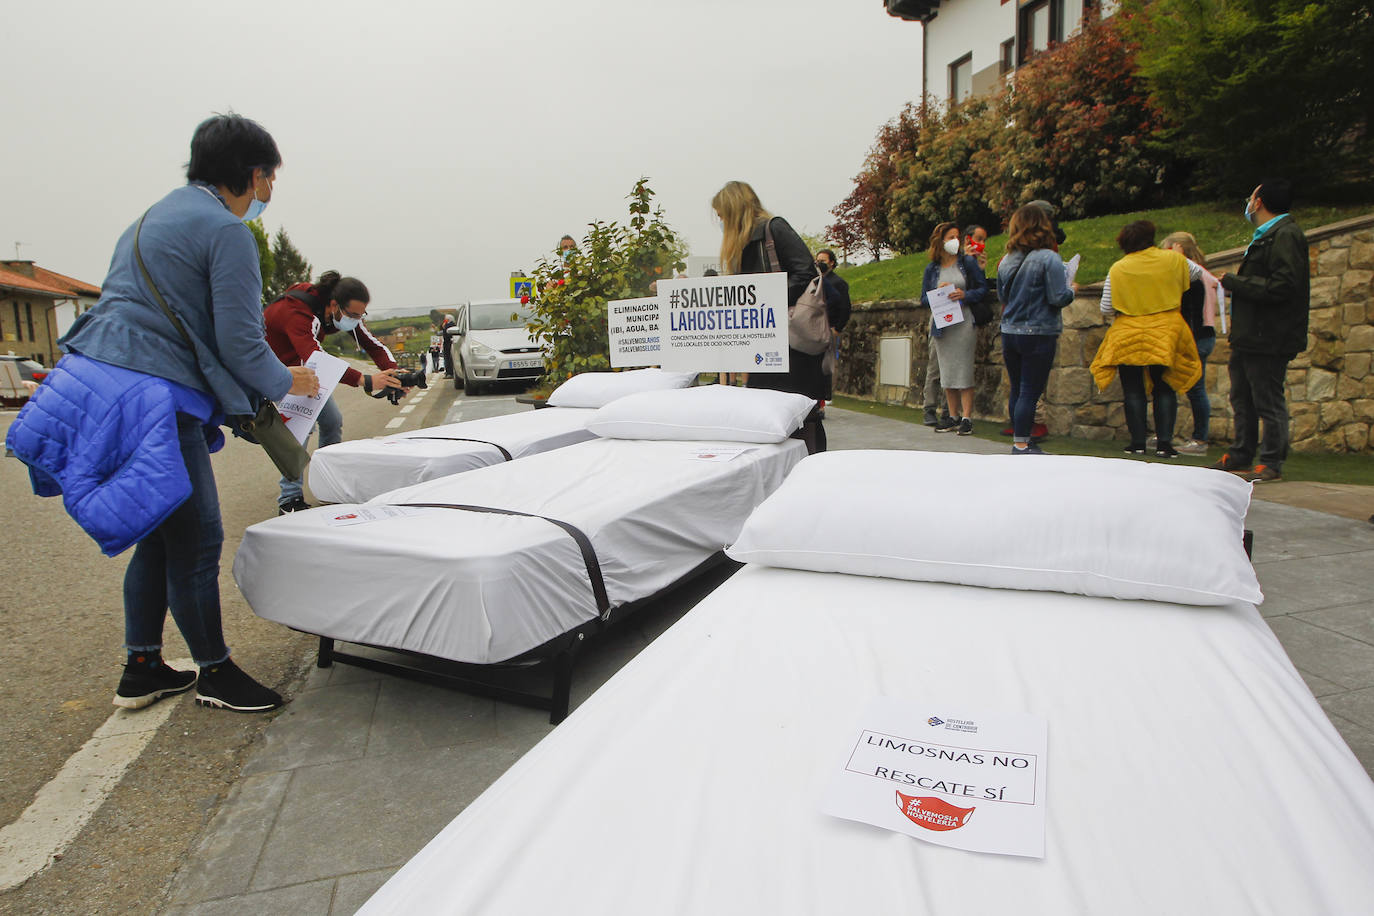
(265, 427)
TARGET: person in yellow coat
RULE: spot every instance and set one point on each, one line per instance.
(1148, 344)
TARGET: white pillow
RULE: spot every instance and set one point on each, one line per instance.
(711, 412)
(1089, 526)
(597, 389)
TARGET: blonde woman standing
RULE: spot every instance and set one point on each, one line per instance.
(1200, 311)
(745, 224)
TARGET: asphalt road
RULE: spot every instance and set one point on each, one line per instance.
(62, 624)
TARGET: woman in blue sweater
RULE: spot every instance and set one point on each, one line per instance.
(124, 426)
(1034, 288)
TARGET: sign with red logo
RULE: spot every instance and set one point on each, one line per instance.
(926, 770)
(933, 813)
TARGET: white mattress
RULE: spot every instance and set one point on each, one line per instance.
(481, 588)
(354, 472)
(1190, 770)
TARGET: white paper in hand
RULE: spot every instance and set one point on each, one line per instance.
(944, 310)
(302, 411)
(1071, 269)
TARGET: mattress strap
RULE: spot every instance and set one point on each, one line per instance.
(505, 454)
(584, 544)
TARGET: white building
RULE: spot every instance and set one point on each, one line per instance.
(968, 46)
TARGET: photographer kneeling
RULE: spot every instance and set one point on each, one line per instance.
(297, 323)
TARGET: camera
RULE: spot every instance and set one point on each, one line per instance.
(414, 378)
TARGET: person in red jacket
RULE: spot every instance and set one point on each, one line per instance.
(296, 324)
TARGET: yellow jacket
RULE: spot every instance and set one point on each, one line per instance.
(1161, 339)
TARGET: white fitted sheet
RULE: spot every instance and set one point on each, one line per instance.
(356, 471)
(482, 588)
(1190, 770)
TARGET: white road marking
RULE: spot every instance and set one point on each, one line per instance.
(392, 424)
(63, 806)
(408, 408)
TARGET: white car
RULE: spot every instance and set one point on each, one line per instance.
(491, 344)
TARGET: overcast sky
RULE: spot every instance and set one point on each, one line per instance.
(432, 147)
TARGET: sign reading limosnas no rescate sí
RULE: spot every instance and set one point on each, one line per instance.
(711, 324)
(946, 774)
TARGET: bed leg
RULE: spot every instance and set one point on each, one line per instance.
(326, 656)
(562, 685)
(1247, 540)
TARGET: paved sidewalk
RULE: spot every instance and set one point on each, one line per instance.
(362, 769)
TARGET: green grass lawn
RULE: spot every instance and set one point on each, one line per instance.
(1217, 226)
(1356, 469)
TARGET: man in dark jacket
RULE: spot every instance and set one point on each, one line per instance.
(1269, 305)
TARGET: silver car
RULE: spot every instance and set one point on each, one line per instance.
(491, 344)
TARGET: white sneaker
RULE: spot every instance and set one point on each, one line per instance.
(1192, 447)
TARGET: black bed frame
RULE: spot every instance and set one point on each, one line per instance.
(558, 655)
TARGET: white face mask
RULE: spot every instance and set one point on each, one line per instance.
(345, 323)
(951, 246)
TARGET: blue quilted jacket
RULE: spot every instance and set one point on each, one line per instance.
(105, 438)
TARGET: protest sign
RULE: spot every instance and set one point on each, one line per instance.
(634, 330)
(301, 411)
(944, 310)
(345, 516)
(954, 777)
(724, 324)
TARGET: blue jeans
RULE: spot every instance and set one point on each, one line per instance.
(330, 425)
(1197, 395)
(177, 565)
(1029, 358)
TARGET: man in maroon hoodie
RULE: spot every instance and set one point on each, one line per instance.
(297, 322)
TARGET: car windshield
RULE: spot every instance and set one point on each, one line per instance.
(495, 315)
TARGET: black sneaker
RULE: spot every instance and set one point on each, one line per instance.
(147, 679)
(225, 686)
(293, 505)
(947, 425)
(1134, 450)
(965, 427)
(1165, 450)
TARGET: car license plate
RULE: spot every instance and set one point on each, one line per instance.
(526, 363)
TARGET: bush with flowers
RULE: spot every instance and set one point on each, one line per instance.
(613, 261)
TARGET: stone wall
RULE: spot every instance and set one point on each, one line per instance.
(1330, 385)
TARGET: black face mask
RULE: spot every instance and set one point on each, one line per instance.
(824, 266)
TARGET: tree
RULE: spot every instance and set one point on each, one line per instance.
(1259, 88)
(289, 267)
(1077, 127)
(613, 261)
(862, 218)
(266, 263)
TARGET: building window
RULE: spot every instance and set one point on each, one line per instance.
(961, 79)
(28, 313)
(1039, 24)
(1007, 62)
(18, 328)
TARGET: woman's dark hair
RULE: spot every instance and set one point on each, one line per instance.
(226, 148)
(341, 289)
(1136, 236)
(937, 240)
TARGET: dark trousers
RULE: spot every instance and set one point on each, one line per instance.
(1257, 393)
(1029, 358)
(1165, 403)
(177, 565)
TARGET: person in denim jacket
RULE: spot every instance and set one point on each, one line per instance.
(1033, 287)
(954, 345)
